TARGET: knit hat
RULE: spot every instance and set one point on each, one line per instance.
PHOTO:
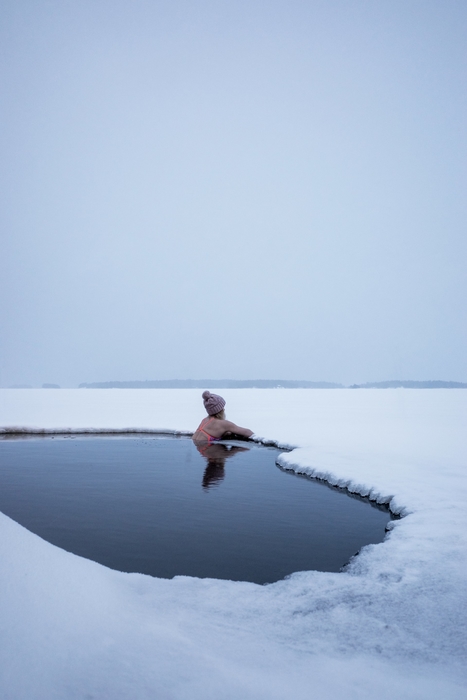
(213, 403)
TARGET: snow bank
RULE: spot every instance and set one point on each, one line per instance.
(393, 624)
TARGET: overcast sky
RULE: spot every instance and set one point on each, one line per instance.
(233, 189)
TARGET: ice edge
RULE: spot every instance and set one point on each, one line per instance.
(347, 484)
(14, 430)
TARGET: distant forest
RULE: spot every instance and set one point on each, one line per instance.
(408, 384)
(267, 384)
(213, 384)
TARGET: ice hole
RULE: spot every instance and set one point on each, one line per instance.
(156, 505)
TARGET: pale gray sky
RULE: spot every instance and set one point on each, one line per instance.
(233, 189)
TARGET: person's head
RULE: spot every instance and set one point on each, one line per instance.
(214, 404)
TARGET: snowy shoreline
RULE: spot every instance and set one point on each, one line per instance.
(395, 619)
(18, 430)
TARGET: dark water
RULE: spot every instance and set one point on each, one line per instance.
(157, 506)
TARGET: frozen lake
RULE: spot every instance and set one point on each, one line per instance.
(393, 622)
(156, 505)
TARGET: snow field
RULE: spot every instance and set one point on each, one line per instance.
(394, 623)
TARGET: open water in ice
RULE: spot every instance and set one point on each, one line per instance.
(156, 505)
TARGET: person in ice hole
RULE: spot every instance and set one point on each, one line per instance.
(215, 426)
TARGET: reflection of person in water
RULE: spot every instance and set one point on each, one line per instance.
(215, 426)
(212, 429)
(215, 455)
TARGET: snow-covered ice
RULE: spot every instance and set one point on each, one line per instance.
(393, 624)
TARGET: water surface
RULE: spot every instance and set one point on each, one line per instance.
(155, 505)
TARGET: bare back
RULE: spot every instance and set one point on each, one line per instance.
(217, 428)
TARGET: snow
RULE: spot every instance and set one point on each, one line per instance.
(393, 624)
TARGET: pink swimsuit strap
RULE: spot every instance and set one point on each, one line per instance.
(201, 427)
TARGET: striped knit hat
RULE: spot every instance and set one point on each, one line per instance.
(213, 403)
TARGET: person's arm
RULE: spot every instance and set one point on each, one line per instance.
(230, 427)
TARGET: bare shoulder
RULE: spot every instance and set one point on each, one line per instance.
(230, 427)
(227, 425)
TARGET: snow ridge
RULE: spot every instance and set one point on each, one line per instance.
(372, 494)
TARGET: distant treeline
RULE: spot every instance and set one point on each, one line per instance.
(255, 384)
(213, 384)
(267, 384)
(409, 384)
